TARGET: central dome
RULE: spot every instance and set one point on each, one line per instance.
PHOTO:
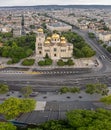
(55, 36)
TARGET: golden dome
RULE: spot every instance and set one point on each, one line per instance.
(63, 42)
(47, 42)
(40, 30)
(55, 36)
(62, 38)
(48, 38)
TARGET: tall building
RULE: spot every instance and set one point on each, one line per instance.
(55, 46)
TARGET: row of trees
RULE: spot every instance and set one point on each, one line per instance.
(97, 88)
(99, 119)
(81, 48)
(69, 62)
(89, 88)
(45, 62)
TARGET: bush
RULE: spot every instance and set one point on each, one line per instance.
(3, 88)
(105, 46)
(69, 62)
(45, 62)
(48, 61)
(60, 63)
(28, 62)
(41, 63)
(9, 62)
(26, 91)
(91, 35)
(13, 61)
(74, 90)
(71, 90)
(97, 88)
(106, 99)
(64, 90)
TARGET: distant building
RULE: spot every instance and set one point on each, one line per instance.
(105, 37)
(55, 46)
(6, 29)
(58, 26)
(17, 32)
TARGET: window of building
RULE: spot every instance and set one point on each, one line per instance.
(39, 44)
(39, 52)
(69, 48)
(39, 47)
(55, 55)
(55, 49)
(63, 50)
(47, 50)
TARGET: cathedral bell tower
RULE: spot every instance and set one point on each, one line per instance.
(40, 38)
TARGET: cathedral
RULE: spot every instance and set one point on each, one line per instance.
(56, 47)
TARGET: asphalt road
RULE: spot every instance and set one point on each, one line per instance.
(53, 82)
(101, 53)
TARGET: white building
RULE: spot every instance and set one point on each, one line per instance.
(55, 46)
(58, 26)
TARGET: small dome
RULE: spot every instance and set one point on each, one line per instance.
(55, 36)
(62, 38)
(47, 42)
(40, 30)
(63, 42)
(48, 38)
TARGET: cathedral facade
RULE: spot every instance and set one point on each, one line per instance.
(56, 47)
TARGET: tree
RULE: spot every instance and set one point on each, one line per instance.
(89, 120)
(12, 107)
(45, 62)
(64, 90)
(87, 51)
(48, 61)
(99, 119)
(60, 63)
(97, 88)
(4, 88)
(32, 26)
(69, 62)
(109, 49)
(41, 63)
(46, 56)
(91, 35)
(26, 91)
(7, 126)
(106, 99)
(28, 62)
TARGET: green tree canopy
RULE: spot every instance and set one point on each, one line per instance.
(26, 91)
(97, 88)
(4, 88)
(12, 107)
(106, 99)
(7, 126)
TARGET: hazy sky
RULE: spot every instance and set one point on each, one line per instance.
(50, 2)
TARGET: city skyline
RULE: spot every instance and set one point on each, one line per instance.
(54, 2)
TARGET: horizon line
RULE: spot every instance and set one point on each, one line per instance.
(57, 5)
